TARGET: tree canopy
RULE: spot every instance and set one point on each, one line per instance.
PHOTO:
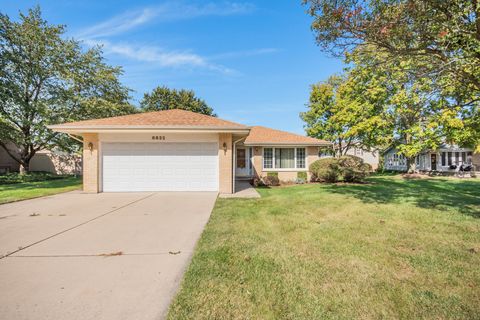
(164, 98)
(47, 79)
(426, 51)
(326, 117)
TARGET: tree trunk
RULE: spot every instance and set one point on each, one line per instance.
(25, 162)
(24, 168)
(411, 165)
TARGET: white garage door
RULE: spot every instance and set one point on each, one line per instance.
(160, 166)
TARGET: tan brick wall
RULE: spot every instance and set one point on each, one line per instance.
(312, 155)
(257, 161)
(225, 163)
(90, 163)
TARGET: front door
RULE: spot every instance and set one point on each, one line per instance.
(434, 161)
(242, 167)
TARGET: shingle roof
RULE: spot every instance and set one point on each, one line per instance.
(158, 119)
(266, 136)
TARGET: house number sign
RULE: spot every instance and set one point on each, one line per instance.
(158, 138)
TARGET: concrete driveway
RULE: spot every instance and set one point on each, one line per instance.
(97, 256)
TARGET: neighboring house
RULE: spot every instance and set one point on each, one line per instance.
(56, 162)
(372, 157)
(177, 150)
(447, 158)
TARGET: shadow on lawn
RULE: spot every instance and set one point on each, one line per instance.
(441, 194)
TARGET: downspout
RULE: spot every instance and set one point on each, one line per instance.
(234, 159)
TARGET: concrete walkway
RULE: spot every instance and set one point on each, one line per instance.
(97, 256)
(243, 189)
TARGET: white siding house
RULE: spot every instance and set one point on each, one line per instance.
(447, 158)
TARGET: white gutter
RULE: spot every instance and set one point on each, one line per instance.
(74, 138)
(234, 159)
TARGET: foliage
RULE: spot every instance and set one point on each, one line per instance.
(353, 168)
(163, 98)
(434, 43)
(272, 174)
(407, 111)
(348, 168)
(11, 178)
(271, 180)
(47, 79)
(325, 170)
(301, 178)
(324, 118)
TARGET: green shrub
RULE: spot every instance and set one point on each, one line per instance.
(353, 168)
(347, 168)
(326, 170)
(271, 180)
(301, 177)
(15, 177)
(272, 174)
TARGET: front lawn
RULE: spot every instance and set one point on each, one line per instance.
(34, 189)
(392, 248)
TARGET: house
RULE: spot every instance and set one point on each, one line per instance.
(53, 161)
(178, 150)
(372, 157)
(447, 159)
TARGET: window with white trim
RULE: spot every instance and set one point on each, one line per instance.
(284, 158)
(300, 158)
(267, 158)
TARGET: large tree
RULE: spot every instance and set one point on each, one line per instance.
(433, 39)
(408, 112)
(164, 98)
(325, 118)
(47, 79)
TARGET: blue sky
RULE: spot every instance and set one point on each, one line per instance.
(253, 62)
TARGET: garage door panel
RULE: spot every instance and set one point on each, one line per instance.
(160, 166)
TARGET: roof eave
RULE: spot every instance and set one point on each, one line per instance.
(267, 144)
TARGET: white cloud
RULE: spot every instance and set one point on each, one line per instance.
(158, 56)
(166, 12)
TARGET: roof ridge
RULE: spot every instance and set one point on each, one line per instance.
(169, 117)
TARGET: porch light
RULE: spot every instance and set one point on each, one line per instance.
(225, 147)
(90, 146)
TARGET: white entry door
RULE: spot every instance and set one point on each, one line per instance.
(159, 167)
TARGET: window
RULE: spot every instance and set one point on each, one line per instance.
(284, 158)
(300, 157)
(457, 158)
(444, 159)
(449, 158)
(464, 157)
(268, 158)
(241, 158)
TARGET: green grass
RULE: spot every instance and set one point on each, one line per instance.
(392, 248)
(28, 190)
